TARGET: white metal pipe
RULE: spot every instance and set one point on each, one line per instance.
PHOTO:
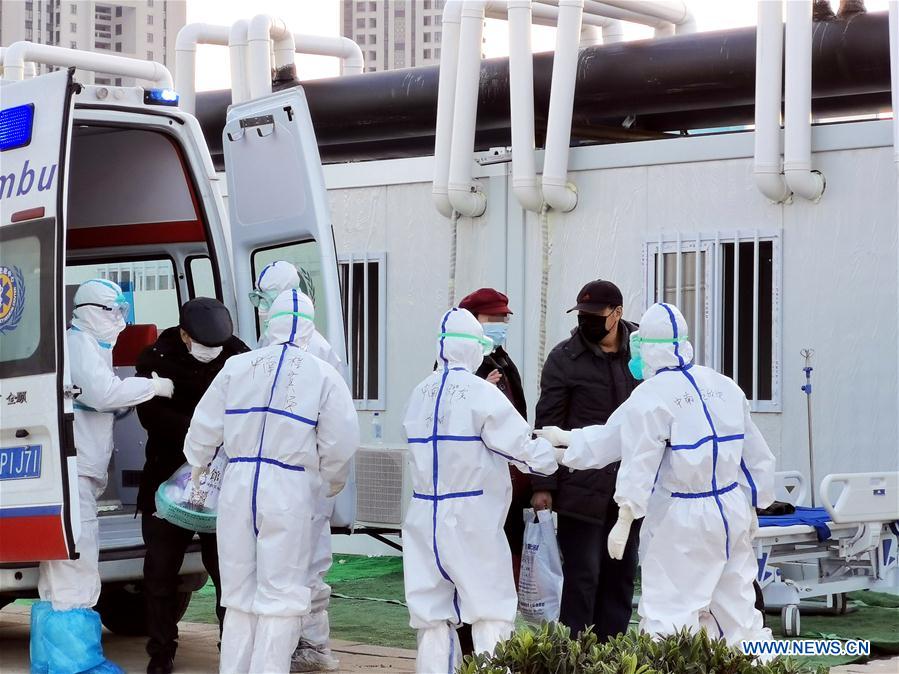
(525, 185)
(30, 68)
(736, 311)
(613, 32)
(237, 50)
(767, 170)
(446, 96)
(697, 322)
(263, 31)
(672, 11)
(349, 53)
(678, 275)
(591, 7)
(557, 191)
(465, 195)
(18, 53)
(547, 14)
(801, 179)
(590, 36)
(186, 58)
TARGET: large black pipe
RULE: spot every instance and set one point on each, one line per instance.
(692, 81)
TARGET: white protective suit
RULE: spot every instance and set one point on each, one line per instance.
(695, 466)
(462, 432)
(274, 279)
(96, 324)
(289, 428)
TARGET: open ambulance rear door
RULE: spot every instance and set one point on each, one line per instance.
(38, 490)
(278, 209)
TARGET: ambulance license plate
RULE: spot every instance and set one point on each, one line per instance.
(20, 463)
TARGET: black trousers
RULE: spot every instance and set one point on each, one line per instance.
(166, 546)
(597, 590)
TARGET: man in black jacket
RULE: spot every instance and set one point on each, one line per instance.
(585, 378)
(191, 355)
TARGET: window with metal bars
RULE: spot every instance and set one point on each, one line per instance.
(727, 285)
(363, 295)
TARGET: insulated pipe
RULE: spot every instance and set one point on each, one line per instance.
(591, 36)
(18, 53)
(525, 185)
(349, 53)
(545, 14)
(186, 58)
(464, 194)
(801, 179)
(557, 191)
(446, 96)
(263, 29)
(237, 50)
(767, 169)
(622, 14)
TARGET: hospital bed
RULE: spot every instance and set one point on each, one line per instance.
(850, 544)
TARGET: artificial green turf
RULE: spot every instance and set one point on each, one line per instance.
(387, 624)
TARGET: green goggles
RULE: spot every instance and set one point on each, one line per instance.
(485, 342)
(259, 298)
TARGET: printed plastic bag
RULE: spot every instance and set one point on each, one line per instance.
(540, 582)
(188, 505)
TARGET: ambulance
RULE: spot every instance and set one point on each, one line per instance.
(117, 181)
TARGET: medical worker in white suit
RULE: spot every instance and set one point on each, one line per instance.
(695, 467)
(98, 318)
(286, 421)
(462, 433)
(313, 653)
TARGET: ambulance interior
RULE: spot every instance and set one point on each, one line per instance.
(136, 216)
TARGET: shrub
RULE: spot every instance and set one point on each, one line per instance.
(551, 650)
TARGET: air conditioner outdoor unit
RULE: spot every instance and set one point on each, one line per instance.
(383, 486)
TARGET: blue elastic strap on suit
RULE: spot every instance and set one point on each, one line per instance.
(715, 493)
(755, 494)
(450, 495)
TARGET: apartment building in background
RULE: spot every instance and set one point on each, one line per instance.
(394, 33)
(141, 29)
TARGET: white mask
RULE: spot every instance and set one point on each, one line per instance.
(203, 353)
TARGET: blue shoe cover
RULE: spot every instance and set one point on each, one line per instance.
(105, 667)
(72, 641)
(39, 663)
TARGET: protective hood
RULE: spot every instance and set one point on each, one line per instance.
(100, 310)
(291, 319)
(664, 322)
(273, 280)
(455, 351)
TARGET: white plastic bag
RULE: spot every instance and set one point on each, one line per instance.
(540, 581)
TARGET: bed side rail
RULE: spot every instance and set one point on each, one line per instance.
(791, 487)
(862, 497)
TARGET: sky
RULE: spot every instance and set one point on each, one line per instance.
(322, 17)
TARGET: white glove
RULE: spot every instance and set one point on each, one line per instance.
(619, 534)
(197, 473)
(554, 435)
(164, 388)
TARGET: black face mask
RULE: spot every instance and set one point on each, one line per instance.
(593, 327)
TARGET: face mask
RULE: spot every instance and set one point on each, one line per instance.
(203, 353)
(496, 332)
(635, 364)
(486, 343)
(593, 327)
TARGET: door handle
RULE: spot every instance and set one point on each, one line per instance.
(22, 433)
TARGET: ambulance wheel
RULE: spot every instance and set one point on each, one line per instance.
(123, 608)
(789, 620)
(840, 604)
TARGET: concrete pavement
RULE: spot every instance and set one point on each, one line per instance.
(197, 651)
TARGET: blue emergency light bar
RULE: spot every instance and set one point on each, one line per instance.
(15, 126)
(161, 97)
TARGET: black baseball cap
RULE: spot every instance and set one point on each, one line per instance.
(597, 295)
(207, 321)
